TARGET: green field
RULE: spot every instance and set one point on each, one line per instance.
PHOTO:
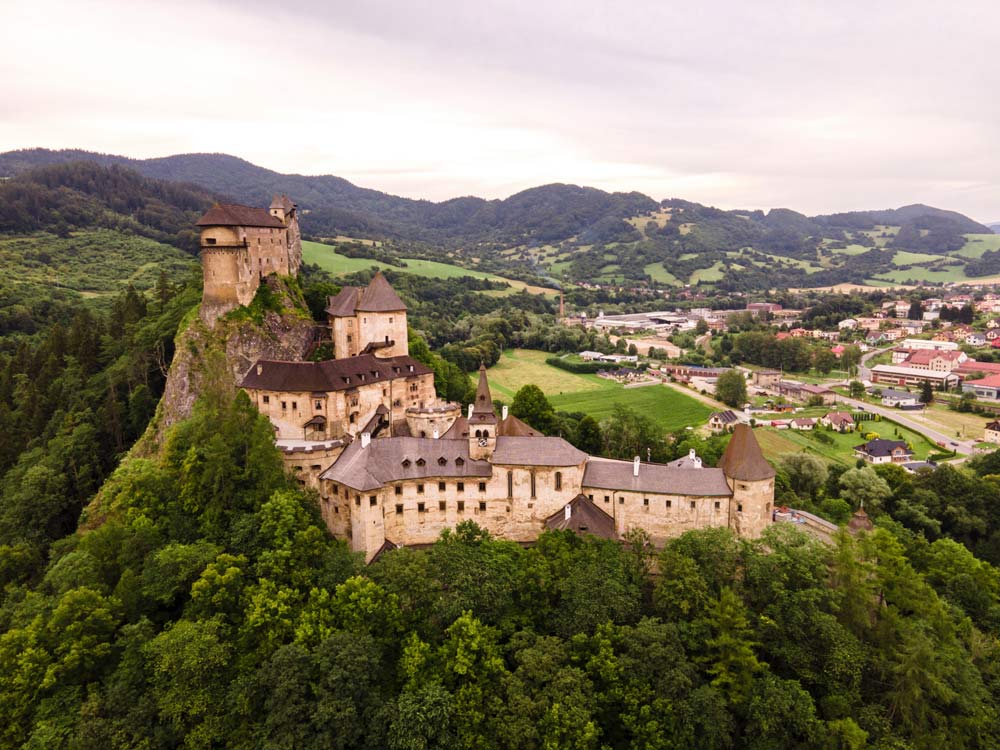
(776, 442)
(946, 273)
(590, 394)
(340, 265)
(661, 275)
(977, 244)
(906, 258)
(708, 275)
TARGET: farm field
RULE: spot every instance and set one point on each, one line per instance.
(951, 422)
(947, 273)
(590, 394)
(340, 265)
(712, 273)
(977, 244)
(658, 273)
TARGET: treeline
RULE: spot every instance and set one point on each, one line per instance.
(207, 606)
(73, 400)
(82, 194)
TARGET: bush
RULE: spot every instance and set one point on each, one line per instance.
(581, 368)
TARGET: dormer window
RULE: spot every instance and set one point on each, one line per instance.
(459, 461)
(411, 368)
(442, 461)
(421, 462)
(406, 463)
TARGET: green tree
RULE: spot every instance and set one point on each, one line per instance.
(730, 656)
(588, 435)
(864, 486)
(824, 360)
(926, 392)
(531, 406)
(731, 388)
(806, 473)
(857, 389)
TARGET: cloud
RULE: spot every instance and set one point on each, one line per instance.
(815, 106)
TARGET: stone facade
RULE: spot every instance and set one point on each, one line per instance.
(240, 245)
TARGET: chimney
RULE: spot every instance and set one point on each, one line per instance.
(470, 411)
(504, 411)
(436, 435)
(260, 369)
(697, 462)
(635, 467)
(691, 455)
(568, 511)
(366, 438)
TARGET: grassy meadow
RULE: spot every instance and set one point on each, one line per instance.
(590, 394)
(327, 258)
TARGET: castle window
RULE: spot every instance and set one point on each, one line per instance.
(669, 504)
(482, 486)
(460, 486)
(353, 418)
(461, 506)
(421, 508)
(482, 505)
(645, 501)
(532, 485)
(459, 461)
(607, 499)
(739, 507)
(364, 320)
(441, 505)
(421, 462)
(692, 505)
(267, 399)
(510, 484)
(420, 489)
(558, 480)
(399, 489)
(717, 505)
(319, 405)
(295, 404)
(284, 404)
(316, 467)
(479, 433)
(399, 509)
(373, 500)
(621, 501)
(406, 463)
(210, 240)
(349, 339)
(440, 486)
(357, 499)
(442, 461)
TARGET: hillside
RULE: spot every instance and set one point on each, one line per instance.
(567, 233)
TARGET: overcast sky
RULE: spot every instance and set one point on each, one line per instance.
(816, 106)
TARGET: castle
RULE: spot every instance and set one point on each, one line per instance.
(241, 245)
(395, 465)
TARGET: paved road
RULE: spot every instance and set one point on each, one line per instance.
(864, 372)
(915, 421)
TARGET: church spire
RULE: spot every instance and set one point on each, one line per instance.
(484, 401)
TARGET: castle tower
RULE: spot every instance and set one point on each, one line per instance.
(482, 421)
(371, 320)
(751, 478)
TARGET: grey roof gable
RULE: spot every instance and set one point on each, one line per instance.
(609, 474)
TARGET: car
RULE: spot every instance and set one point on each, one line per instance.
(954, 443)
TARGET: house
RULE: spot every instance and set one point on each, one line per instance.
(928, 359)
(988, 387)
(841, 421)
(911, 376)
(837, 350)
(722, 420)
(848, 324)
(899, 398)
(766, 378)
(941, 345)
(879, 451)
(975, 339)
(804, 392)
(991, 434)
(803, 423)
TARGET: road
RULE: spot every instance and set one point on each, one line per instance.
(864, 372)
(913, 420)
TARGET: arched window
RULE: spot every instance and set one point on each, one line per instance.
(479, 433)
(558, 481)
(486, 433)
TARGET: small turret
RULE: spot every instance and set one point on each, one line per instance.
(482, 420)
(751, 479)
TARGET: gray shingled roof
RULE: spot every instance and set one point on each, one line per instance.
(379, 296)
(389, 460)
(235, 215)
(584, 518)
(331, 375)
(536, 451)
(608, 474)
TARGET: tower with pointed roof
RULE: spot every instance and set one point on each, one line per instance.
(368, 320)
(482, 420)
(751, 479)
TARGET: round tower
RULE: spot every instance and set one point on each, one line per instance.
(751, 479)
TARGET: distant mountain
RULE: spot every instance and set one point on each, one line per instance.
(583, 234)
(995, 226)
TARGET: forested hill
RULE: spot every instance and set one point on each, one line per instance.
(573, 233)
(82, 194)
